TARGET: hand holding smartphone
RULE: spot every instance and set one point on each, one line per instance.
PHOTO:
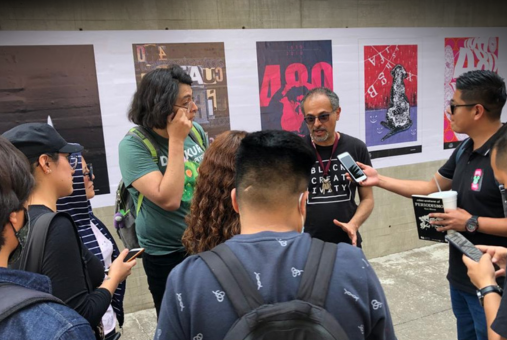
(133, 253)
(352, 168)
(465, 246)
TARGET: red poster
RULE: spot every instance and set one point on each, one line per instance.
(463, 55)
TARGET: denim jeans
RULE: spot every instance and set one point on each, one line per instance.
(471, 319)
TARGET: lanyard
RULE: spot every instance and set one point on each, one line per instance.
(321, 163)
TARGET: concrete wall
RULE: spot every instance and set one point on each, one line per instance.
(224, 14)
(391, 228)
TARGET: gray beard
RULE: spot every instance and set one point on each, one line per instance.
(320, 139)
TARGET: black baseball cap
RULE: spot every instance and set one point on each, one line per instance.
(35, 139)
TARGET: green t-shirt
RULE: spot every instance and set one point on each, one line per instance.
(159, 231)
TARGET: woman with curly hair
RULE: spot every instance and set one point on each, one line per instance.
(212, 220)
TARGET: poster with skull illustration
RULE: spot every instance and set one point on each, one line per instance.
(390, 94)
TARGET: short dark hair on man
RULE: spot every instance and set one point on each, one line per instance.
(156, 95)
(16, 182)
(483, 87)
(333, 97)
(500, 147)
(271, 167)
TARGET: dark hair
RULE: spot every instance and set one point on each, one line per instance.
(333, 97)
(16, 182)
(271, 166)
(500, 147)
(156, 95)
(212, 219)
(483, 87)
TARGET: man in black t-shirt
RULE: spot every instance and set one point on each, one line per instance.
(475, 110)
(332, 212)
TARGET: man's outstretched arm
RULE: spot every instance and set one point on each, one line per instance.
(403, 187)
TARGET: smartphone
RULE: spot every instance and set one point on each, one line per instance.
(464, 245)
(352, 168)
(133, 253)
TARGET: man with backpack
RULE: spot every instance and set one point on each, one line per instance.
(161, 179)
(475, 110)
(272, 281)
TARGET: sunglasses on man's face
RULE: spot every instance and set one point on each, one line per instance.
(323, 118)
(453, 107)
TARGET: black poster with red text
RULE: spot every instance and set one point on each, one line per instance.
(287, 71)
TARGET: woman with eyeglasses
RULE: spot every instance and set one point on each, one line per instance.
(76, 275)
(95, 237)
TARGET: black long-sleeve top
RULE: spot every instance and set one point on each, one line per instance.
(63, 264)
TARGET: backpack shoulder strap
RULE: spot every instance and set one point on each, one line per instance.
(233, 278)
(144, 136)
(196, 136)
(14, 298)
(461, 149)
(31, 258)
(317, 273)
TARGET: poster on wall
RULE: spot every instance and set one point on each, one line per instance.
(56, 85)
(463, 55)
(287, 71)
(390, 96)
(205, 63)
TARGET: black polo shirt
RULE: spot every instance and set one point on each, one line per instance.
(478, 193)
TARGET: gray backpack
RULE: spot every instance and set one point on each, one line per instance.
(304, 318)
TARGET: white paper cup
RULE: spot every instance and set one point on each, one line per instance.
(450, 200)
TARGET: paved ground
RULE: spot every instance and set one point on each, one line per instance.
(416, 289)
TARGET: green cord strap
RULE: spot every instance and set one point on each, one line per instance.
(139, 203)
(135, 131)
(146, 142)
(196, 134)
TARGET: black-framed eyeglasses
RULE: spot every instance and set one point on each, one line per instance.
(454, 106)
(89, 173)
(187, 106)
(323, 118)
(72, 160)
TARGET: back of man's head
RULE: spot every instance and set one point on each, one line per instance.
(500, 151)
(271, 168)
(483, 87)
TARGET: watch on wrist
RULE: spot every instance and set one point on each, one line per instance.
(486, 290)
(472, 224)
